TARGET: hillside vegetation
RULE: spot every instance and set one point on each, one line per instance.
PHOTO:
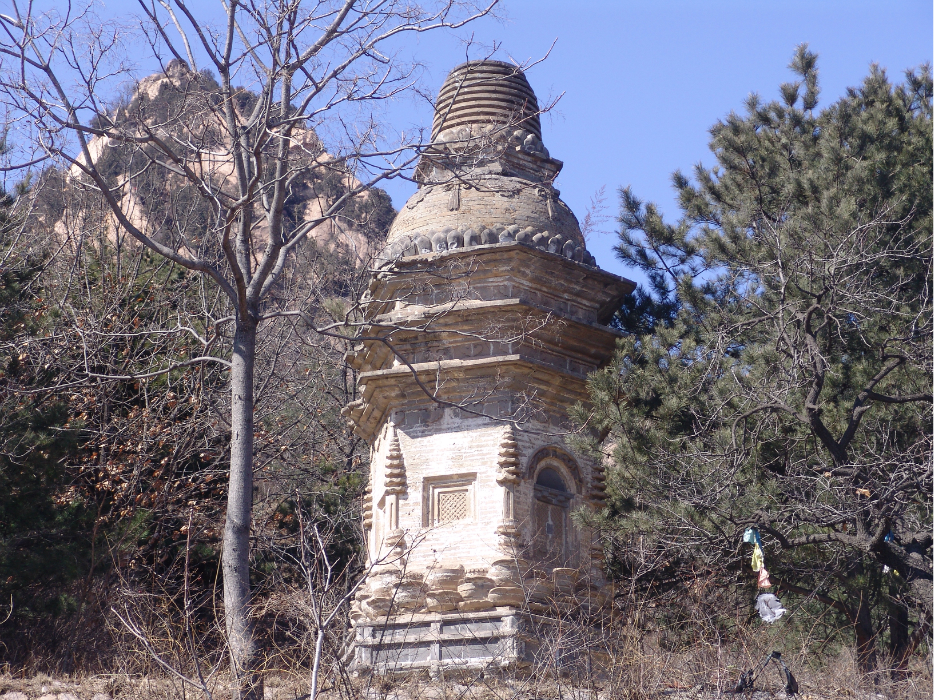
(113, 490)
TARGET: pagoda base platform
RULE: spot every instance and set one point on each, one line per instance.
(495, 640)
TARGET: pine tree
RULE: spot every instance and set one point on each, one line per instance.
(777, 373)
(42, 546)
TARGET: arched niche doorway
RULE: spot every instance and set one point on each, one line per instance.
(555, 477)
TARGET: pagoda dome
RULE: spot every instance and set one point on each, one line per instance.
(486, 177)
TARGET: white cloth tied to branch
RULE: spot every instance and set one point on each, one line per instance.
(769, 607)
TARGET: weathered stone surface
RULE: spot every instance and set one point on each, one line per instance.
(475, 593)
(507, 596)
(564, 581)
(507, 572)
(446, 578)
(442, 600)
(410, 595)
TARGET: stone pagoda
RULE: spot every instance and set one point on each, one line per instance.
(485, 315)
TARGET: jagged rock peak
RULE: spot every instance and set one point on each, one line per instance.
(177, 68)
(176, 72)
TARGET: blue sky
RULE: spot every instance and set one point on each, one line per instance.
(642, 82)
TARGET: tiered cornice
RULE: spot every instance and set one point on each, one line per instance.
(515, 320)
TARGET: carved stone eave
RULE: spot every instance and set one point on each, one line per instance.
(495, 378)
(439, 166)
(462, 329)
(565, 302)
(585, 291)
(467, 314)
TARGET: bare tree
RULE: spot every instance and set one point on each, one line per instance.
(232, 160)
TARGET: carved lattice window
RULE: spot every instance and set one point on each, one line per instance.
(449, 500)
(452, 506)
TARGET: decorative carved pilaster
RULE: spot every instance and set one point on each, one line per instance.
(396, 545)
(508, 459)
(597, 494)
(396, 486)
(507, 476)
(368, 508)
(395, 465)
(596, 497)
(597, 559)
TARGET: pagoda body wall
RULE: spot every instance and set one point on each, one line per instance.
(446, 450)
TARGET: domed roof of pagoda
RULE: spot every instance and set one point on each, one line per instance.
(486, 177)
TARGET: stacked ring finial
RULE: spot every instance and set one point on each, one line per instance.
(486, 92)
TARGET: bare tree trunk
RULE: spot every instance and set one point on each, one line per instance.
(316, 666)
(246, 682)
(899, 639)
(865, 637)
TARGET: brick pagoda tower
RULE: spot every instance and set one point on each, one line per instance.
(486, 313)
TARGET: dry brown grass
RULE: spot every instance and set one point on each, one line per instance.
(638, 661)
(637, 672)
